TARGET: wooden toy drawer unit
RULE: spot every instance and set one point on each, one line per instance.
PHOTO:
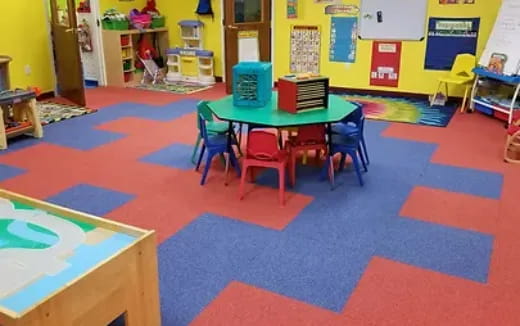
(299, 95)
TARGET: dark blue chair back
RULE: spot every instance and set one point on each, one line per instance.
(356, 116)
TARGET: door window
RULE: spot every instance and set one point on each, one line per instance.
(248, 11)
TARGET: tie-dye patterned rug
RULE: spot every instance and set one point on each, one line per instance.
(403, 109)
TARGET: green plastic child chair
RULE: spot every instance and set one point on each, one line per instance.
(213, 127)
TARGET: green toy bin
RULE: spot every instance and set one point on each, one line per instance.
(158, 22)
(118, 25)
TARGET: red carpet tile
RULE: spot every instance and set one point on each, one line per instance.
(101, 97)
(453, 209)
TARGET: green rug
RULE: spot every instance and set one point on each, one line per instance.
(53, 112)
(174, 88)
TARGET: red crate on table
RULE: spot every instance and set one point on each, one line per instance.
(295, 95)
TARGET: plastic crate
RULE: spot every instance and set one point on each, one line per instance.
(252, 84)
(125, 40)
(118, 25)
(484, 109)
(128, 77)
(158, 22)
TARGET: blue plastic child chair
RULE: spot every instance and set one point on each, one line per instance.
(352, 125)
(213, 127)
(215, 144)
(349, 144)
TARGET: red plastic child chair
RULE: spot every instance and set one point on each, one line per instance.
(263, 151)
(308, 138)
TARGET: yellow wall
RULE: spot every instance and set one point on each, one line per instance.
(122, 6)
(175, 12)
(24, 36)
(414, 78)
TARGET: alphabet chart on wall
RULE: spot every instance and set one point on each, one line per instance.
(305, 49)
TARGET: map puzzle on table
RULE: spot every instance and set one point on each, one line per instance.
(40, 253)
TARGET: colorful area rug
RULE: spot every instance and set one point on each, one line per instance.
(53, 112)
(175, 88)
(401, 109)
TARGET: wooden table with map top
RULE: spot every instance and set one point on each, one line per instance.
(62, 267)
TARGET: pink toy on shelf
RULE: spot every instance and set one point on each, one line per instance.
(140, 21)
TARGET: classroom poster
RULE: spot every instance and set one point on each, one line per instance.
(386, 64)
(343, 37)
(448, 37)
(292, 9)
(305, 49)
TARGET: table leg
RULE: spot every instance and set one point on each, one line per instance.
(230, 137)
(330, 158)
(34, 117)
(3, 135)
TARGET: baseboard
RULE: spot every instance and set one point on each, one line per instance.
(219, 79)
(375, 92)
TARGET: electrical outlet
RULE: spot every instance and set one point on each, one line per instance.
(28, 70)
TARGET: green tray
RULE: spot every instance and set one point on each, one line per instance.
(117, 25)
(158, 22)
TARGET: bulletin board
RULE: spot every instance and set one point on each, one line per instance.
(343, 37)
(386, 63)
(449, 37)
(393, 19)
(305, 49)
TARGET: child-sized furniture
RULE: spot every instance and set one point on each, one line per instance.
(263, 151)
(252, 84)
(461, 74)
(71, 268)
(487, 97)
(512, 149)
(120, 52)
(307, 138)
(215, 144)
(348, 145)
(213, 127)
(191, 63)
(352, 125)
(296, 95)
(19, 115)
(4, 72)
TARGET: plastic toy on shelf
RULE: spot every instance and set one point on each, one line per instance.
(191, 63)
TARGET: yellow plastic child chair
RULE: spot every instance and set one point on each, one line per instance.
(461, 74)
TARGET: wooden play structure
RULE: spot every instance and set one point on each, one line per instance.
(63, 267)
(19, 116)
(120, 51)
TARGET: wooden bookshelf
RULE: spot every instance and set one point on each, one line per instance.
(116, 53)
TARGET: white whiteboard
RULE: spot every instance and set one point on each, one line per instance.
(505, 38)
(393, 19)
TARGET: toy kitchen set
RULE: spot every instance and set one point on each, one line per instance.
(191, 63)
